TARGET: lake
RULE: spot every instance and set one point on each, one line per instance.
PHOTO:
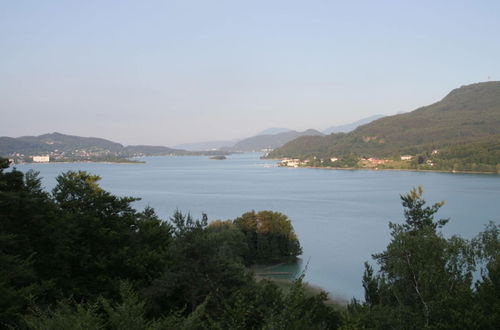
(340, 216)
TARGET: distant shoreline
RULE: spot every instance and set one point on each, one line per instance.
(394, 169)
(80, 161)
(96, 161)
(385, 169)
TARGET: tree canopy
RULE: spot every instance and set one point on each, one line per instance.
(80, 257)
(425, 281)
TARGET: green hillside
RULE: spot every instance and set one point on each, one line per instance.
(62, 147)
(468, 116)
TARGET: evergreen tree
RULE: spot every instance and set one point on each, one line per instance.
(424, 280)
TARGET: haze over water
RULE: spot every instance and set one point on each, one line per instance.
(340, 216)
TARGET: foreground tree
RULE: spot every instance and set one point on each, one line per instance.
(270, 237)
(23, 209)
(487, 297)
(425, 280)
(81, 257)
(201, 264)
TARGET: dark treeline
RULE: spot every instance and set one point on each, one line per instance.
(81, 258)
(426, 281)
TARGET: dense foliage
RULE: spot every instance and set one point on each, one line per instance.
(269, 236)
(426, 281)
(82, 258)
(465, 125)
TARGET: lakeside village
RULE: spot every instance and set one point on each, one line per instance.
(371, 162)
(59, 156)
(364, 162)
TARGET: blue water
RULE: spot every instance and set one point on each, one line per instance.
(340, 216)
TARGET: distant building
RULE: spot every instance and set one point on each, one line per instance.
(406, 157)
(333, 159)
(375, 161)
(290, 162)
(41, 159)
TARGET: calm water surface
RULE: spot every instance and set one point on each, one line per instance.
(340, 216)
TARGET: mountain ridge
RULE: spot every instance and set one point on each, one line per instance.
(65, 147)
(468, 114)
(270, 141)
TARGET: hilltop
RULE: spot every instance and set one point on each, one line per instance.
(63, 147)
(460, 132)
(272, 138)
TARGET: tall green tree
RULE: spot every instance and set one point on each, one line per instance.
(23, 209)
(270, 237)
(424, 280)
(201, 265)
(487, 297)
(100, 238)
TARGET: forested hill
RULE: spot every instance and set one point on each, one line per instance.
(271, 141)
(70, 147)
(467, 115)
(53, 141)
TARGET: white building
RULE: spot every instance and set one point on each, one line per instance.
(41, 159)
(290, 162)
(406, 157)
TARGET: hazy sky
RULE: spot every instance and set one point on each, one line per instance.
(169, 72)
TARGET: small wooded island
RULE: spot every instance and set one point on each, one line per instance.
(218, 157)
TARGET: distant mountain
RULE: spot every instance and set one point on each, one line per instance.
(271, 141)
(70, 147)
(349, 127)
(468, 116)
(274, 130)
(10, 145)
(65, 142)
(225, 144)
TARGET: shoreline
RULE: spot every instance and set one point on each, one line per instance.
(285, 280)
(397, 169)
(386, 169)
(79, 162)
